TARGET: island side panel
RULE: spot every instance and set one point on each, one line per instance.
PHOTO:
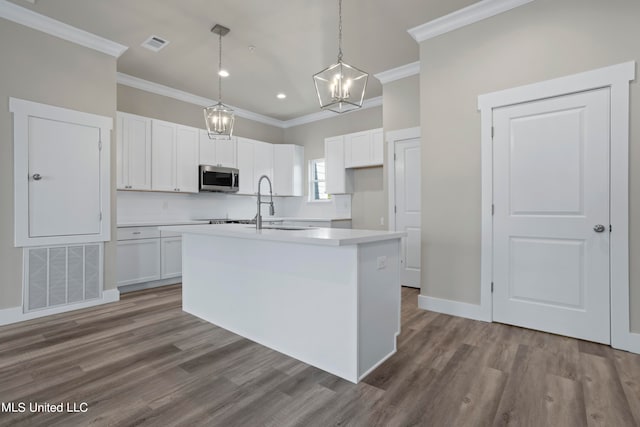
(298, 299)
(378, 303)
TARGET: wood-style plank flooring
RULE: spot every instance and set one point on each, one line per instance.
(144, 362)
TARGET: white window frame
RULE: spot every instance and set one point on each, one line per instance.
(312, 181)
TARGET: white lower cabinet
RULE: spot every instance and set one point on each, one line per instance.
(171, 256)
(146, 255)
(138, 261)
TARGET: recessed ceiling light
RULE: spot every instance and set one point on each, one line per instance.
(223, 73)
(281, 96)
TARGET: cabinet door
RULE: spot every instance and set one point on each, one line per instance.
(122, 160)
(357, 149)
(187, 141)
(66, 199)
(287, 169)
(262, 164)
(245, 166)
(138, 261)
(226, 152)
(338, 180)
(137, 135)
(163, 156)
(171, 257)
(207, 149)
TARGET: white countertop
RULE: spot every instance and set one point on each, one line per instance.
(293, 218)
(311, 236)
(160, 223)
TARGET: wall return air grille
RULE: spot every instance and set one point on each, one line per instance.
(61, 275)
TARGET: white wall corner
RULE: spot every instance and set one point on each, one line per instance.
(31, 19)
(398, 73)
(453, 308)
(631, 343)
(461, 18)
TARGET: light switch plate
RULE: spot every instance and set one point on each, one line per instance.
(382, 262)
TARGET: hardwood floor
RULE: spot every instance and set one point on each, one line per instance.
(144, 362)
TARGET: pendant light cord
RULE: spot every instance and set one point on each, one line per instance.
(219, 67)
(339, 30)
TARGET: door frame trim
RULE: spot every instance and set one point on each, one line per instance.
(392, 137)
(617, 78)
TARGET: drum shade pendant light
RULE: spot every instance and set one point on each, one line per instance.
(340, 87)
(219, 117)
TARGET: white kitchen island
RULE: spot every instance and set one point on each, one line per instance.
(328, 297)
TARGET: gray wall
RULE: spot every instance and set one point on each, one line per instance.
(45, 69)
(368, 202)
(541, 40)
(135, 101)
(401, 104)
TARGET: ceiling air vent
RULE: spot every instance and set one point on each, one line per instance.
(155, 43)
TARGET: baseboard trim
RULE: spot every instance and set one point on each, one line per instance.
(380, 362)
(454, 308)
(149, 285)
(631, 343)
(15, 314)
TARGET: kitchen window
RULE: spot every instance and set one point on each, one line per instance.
(317, 181)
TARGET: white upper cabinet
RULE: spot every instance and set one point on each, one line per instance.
(338, 179)
(218, 152)
(262, 165)
(363, 149)
(134, 152)
(245, 165)
(174, 157)
(288, 167)
(187, 153)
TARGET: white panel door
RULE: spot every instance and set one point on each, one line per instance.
(377, 147)
(407, 193)
(187, 159)
(64, 183)
(163, 156)
(357, 149)
(171, 257)
(138, 261)
(551, 220)
(207, 149)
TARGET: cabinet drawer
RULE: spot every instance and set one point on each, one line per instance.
(170, 234)
(130, 233)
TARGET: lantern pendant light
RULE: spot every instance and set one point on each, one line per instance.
(219, 118)
(340, 87)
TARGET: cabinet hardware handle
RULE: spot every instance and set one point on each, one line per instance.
(136, 232)
(37, 177)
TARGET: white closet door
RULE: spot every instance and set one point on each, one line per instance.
(64, 182)
(551, 221)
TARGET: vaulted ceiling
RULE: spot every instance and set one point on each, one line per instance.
(293, 39)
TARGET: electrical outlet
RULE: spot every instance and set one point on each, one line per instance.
(382, 262)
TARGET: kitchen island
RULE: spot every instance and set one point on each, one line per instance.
(328, 297)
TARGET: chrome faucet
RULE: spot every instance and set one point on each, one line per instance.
(260, 202)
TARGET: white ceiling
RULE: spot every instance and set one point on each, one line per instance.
(293, 38)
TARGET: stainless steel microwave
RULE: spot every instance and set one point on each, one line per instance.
(218, 178)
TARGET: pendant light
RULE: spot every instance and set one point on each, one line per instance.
(340, 87)
(219, 117)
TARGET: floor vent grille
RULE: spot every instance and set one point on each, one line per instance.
(61, 275)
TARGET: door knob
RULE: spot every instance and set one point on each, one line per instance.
(37, 177)
(598, 228)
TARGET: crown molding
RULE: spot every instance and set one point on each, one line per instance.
(469, 15)
(31, 19)
(398, 73)
(321, 115)
(158, 89)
